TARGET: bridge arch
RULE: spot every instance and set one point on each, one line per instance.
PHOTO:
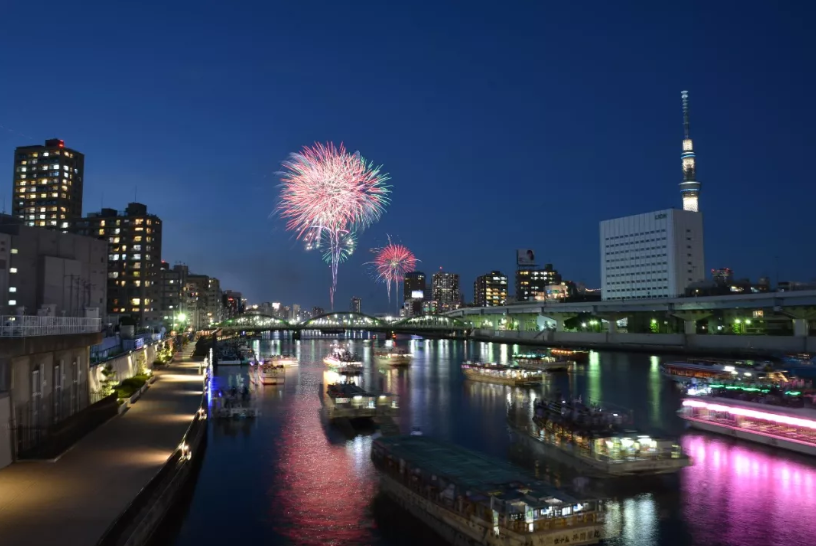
(342, 319)
(433, 320)
(254, 320)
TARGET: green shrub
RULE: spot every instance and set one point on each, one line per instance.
(130, 386)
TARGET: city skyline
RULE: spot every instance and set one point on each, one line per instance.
(582, 112)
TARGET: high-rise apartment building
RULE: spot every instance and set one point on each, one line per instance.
(490, 290)
(445, 290)
(170, 287)
(134, 260)
(356, 305)
(48, 185)
(652, 255)
(232, 303)
(414, 282)
(531, 283)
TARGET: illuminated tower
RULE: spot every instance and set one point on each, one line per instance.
(689, 187)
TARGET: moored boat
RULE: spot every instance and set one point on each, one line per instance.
(705, 370)
(602, 440)
(542, 361)
(349, 401)
(776, 417)
(342, 357)
(575, 355)
(283, 360)
(468, 498)
(503, 375)
(396, 356)
(270, 373)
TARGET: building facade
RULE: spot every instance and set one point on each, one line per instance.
(170, 286)
(50, 273)
(48, 185)
(531, 282)
(652, 255)
(490, 290)
(134, 260)
(445, 291)
(356, 305)
(231, 302)
(413, 282)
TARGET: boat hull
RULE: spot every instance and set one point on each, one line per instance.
(395, 360)
(599, 468)
(513, 382)
(751, 436)
(460, 531)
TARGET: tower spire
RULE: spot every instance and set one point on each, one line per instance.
(689, 187)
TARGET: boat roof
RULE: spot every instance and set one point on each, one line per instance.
(804, 413)
(473, 470)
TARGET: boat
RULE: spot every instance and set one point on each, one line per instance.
(575, 355)
(503, 375)
(348, 401)
(469, 498)
(394, 357)
(706, 370)
(602, 441)
(235, 403)
(270, 373)
(416, 431)
(342, 357)
(777, 417)
(542, 361)
(283, 360)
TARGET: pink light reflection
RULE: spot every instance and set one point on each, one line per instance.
(322, 499)
(741, 495)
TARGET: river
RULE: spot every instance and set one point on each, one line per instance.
(288, 478)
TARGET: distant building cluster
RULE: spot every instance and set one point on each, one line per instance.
(106, 264)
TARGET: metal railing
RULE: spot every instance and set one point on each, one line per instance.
(32, 326)
(34, 419)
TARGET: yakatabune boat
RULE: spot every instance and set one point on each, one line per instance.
(472, 499)
(541, 361)
(504, 375)
(601, 440)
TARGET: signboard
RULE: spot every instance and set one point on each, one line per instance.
(525, 256)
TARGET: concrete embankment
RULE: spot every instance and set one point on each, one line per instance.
(692, 344)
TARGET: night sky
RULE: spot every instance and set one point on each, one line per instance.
(504, 125)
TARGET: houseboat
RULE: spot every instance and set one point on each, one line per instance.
(575, 355)
(601, 441)
(468, 498)
(349, 401)
(776, 418)
(342, 357)
(503, 375)
(394, 357)
(270, 373)
(541, 361)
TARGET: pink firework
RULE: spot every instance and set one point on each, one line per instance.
(328, 194)
(391, 264)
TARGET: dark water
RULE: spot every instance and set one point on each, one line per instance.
(288, 478)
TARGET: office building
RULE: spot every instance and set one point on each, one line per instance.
(356, 305)
(48, 185)
(531, 282)
(490, 290)
(689, 187)
(652, 255)
(134, 260)
(233, 306)
(413, 283)
(445, 291)
(50, 273)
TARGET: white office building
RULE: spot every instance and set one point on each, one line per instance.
(652, 255)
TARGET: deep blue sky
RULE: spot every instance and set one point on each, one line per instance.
(504, 125)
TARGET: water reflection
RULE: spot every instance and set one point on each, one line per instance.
(303, 482)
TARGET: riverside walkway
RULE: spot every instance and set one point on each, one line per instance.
(75, 499)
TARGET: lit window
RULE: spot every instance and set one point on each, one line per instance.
(13, 270)
(14, 251)
(135, 301)
(12, 289)
(45, 154)
(12, 302)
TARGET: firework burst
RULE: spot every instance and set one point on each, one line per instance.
(327, 196)
(391, 263)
